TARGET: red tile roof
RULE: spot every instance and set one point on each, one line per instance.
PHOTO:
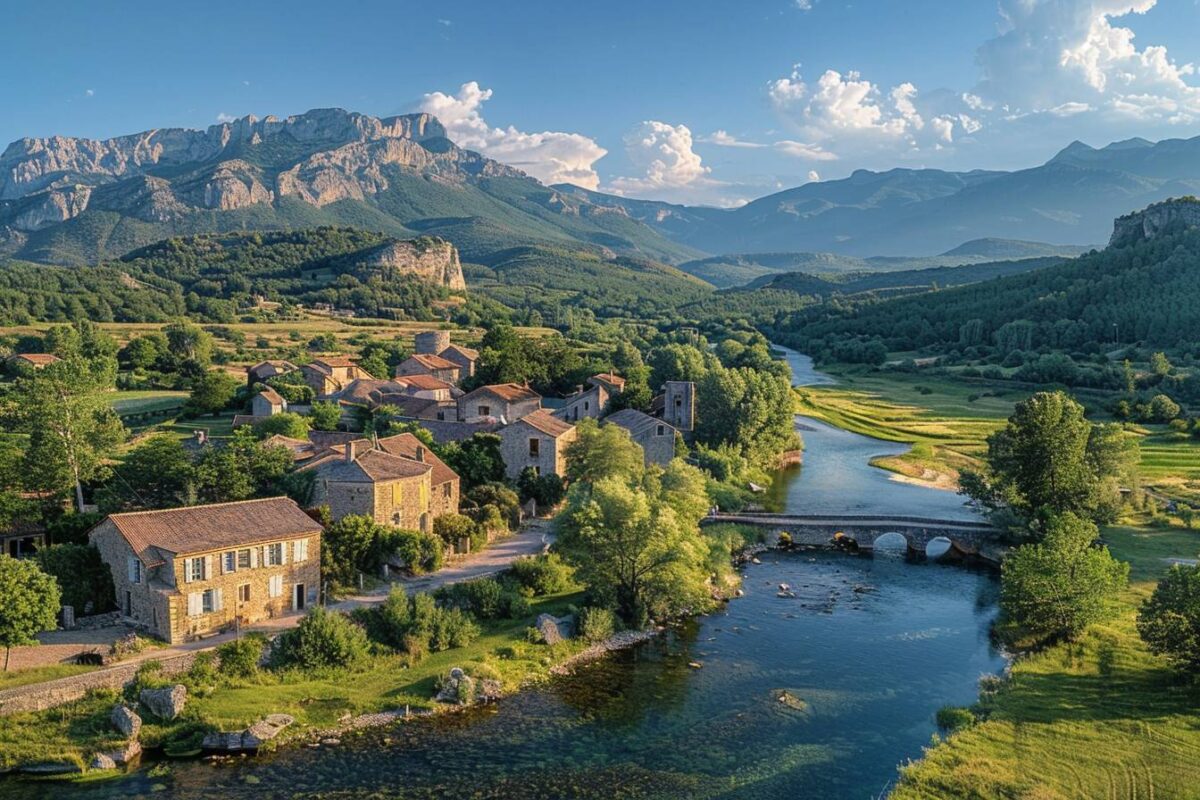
(509, 392)
(406, 444)
(422, 382)
(37, 359)
(545, 422)
(473, 355)
(198, 529)
(430, 361)
(335, 361)
(271, 396)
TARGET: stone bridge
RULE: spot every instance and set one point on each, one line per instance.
(916, 534)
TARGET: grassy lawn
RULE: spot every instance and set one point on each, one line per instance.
(146, 402)
(77, 730)
(1100, 718)
(218, 427)
(24, 677)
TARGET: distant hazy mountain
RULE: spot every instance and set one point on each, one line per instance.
(1071, 199)
(759, 269)
(71, 201)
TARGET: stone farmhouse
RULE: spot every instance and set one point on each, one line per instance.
(331, 374)
(464, 357)
(184, 573)
(391, 487)
(507, 402)
(537, 440)
(31, 360)
(593, 400)
(263, 370)
(265, 404)
(655, 436)
(431, 365)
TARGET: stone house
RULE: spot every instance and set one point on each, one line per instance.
(267, 403)
(331, 374)
(655, 436)
(429, 364)
(536, 440)
(444, 482)
(31, 360)
(593, 400)
(508, 402)
(183, 573)
(464, 357)
(425, 386)
(357, 478)
(260, 372)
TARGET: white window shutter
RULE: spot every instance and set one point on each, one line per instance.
(187, 570)
(304, 549)
(193, 604)
(296, 551)
(283, 553)
(208, 570)
(217, 600)
(253, 557)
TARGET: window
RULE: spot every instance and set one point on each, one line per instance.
(194, 569)
(485, 411)
(275, 586)
(244, 593)
(135, 570)
(243, 559)
(207, 601)
(535, 448)
(447, 490)
(441, 415)
(274, 554)
(586, 405)
(300, 550)
(229, 561)
(396, 519)
(661, 430)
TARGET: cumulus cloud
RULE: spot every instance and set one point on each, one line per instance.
(725, 139)
(663, 154)
(1057, 56)
(90, 92)
(549, 156)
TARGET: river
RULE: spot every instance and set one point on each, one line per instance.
(869, 649)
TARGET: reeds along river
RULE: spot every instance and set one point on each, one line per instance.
(818, 695)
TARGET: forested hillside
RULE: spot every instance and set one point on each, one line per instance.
(1147, 292)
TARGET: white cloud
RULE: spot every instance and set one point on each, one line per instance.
(663, 152)
(223, 117)
(804, 5)
(812, 152)
(90, 92)
(445, 23)
(726, 139)
(549, 156)
(814, 176)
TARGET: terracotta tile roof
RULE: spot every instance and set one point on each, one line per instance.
(369, 466)
(360, 390)
(299, 448)
(405, 444)
(271, 396)
(453, 431)
(198, 529)
(37, 359)
(430, 361)
(276, 366)
(334, 361)
(323, 439)
(248, 419)
(423, 382)
(611, 378)
(509, 392)
(466, 352)
(545, 422)
(409, 406)
(634, 421)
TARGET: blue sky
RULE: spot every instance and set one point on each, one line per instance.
(705, 101)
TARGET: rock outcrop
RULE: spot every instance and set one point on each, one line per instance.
(251, 738)
(51, 207)
(126, 721)
(166, 703)
(553, 629)
(430, 259)
(1150, 221)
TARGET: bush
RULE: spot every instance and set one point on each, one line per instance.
(422, 552)
(240, 658)
(452, 527)
(84, 578)
(1169, 622)
(203, 672)
(542, 575)
(493, 494)
(486, 598)
(953, 718)
(417, 625)
(323, 639)
(545, 490)
(596, 624)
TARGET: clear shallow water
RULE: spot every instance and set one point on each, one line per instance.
(872, 666)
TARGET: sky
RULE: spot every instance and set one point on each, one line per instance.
(711, 102)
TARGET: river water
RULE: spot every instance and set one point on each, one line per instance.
(870, 648)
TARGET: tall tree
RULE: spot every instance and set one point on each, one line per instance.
(1169, 622)
(212, 392)
(158, 473)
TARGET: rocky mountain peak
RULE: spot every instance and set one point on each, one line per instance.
(1152, 220)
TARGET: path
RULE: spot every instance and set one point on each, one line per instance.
(533, 538)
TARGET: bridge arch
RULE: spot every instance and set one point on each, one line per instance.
(890, 542)
(937, 547)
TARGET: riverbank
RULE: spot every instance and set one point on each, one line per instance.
(1101, 717)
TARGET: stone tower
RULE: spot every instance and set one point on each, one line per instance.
(431, 342)
(679, 406)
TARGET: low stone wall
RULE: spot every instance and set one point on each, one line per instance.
(40, 696)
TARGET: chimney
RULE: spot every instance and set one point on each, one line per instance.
(350, 451)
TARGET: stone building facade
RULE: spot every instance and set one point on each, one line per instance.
(538, 440)
(184, 573)
(464, 357)
(656, 437)
(507, 401)
(356, 478)
(427, 364)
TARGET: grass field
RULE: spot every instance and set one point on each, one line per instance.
(1100, 718)
(146, 402)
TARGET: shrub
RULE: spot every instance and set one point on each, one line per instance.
(486, 598)
(1169, 622)
(203, 672)
(452, 527)
(85, 579)
(542, 575)
(953, 718)
(596, 624)
(240, 658)
(545, 490)
(323, 639)
(422, 552)
(418, 625)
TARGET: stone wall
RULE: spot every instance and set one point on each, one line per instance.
(41, 696)
(551, 457)
(658, 448)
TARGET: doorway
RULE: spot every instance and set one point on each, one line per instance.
(298, 597)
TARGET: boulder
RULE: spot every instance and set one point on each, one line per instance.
(166, 703)
(250, 739)
(102, 761)
(126, 720)
(458, 687)
(131, 753)
(553, 629)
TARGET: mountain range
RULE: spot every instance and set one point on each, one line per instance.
(72, 201)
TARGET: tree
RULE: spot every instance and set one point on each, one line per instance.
(84, 578)
(749, 409)
(545, 490)
(1050, 457)
(188, 342)
(72, 427)
(29, 603)
(325, 415)
(348, 544)
(158, 473)
(1159, 365)
(212, 392)
(323, 640)
(287, 424)
(1055, 588)
(599, 451)
(1162, 409)
(242, 468)
(1169, 621)
(476, 459)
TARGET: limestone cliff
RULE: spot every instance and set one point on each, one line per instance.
(1147, 223)
(428, 258)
